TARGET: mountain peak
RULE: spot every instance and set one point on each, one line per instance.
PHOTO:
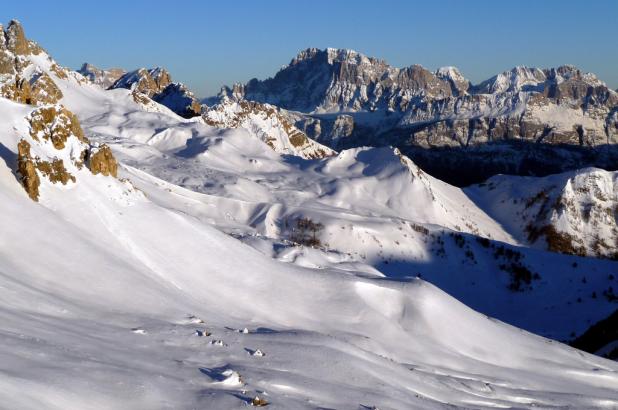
(333, 55)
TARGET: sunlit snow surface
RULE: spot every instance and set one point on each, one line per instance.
(122, 297)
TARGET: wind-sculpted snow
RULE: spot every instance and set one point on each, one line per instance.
(215, 272)
(115, 323)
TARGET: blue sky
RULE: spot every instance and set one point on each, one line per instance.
(207, 44)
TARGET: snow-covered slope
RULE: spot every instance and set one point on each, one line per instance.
(379, 213)
(574, 212)
(183, 283)
(96, 314)
(266, 123)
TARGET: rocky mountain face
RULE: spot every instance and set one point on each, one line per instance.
(102, 77)
(20, 80)
(335, 80)
(574, 212)
(54, 148)
(156, 84)
(349, 100)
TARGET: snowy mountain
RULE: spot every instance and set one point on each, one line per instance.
(338, 80)
(156, 84)
(419, 111)
(154, 261)
(575, 212)
(267, 123)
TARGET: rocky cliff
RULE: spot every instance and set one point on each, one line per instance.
(156, 84)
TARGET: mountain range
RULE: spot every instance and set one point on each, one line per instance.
(344, 99)
(278, 245)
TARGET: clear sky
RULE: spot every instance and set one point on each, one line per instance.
(206, 44)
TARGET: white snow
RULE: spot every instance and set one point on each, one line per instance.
(103, 284)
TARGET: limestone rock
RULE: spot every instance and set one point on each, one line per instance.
(17, 89)
(55, 171)
(16, 39)
(7, 59)
(146, 81)
(43, 90)
(27, 170)
(102, 161)
(156, 84)
(56, 124)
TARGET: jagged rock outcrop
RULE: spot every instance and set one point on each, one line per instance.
(27, 170)
(55, 124)
(267, 123)
(556, 106)
(179, 99)
(102, 161)
(102, 77)
(331, 133)
(7, 59)
(156, 84)
(16, 39)
(43, 90)
(19, 81)
(146, 81)
(56, 149)
(342, 80)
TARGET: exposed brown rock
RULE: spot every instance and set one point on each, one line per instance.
(35, 48)
(140, 98)
(17, 90)
(149, 82)
(16, 39)
(102, 161)
(59, 71)
(7, 59)
(55, 171)
(44, 90)
(27, 170)
(55, 123)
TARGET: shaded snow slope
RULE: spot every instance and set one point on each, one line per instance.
(574, 212)
(95, 313)
(381, 215)
(184, 284)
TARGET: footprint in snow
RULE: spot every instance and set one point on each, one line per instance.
(138, 331)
